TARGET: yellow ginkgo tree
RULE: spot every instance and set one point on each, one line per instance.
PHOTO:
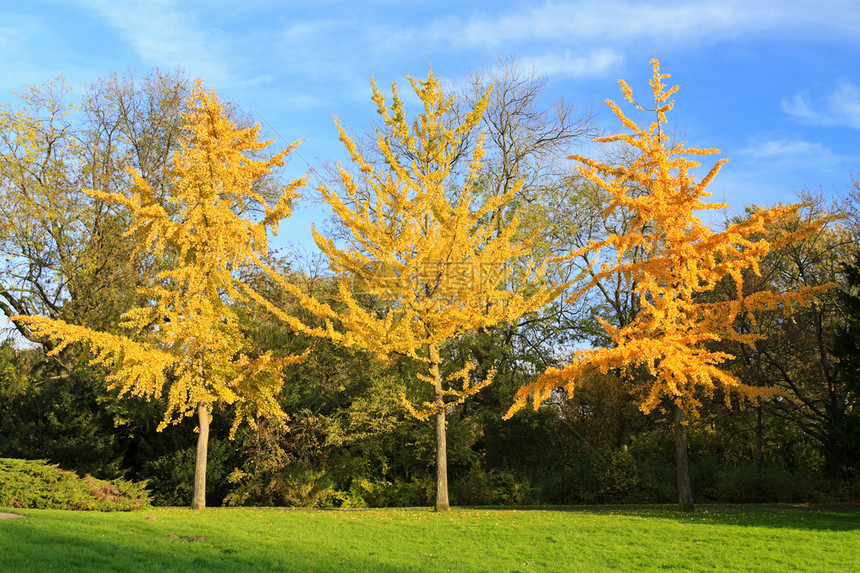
(185, 340)
(431, 260)
(672, 263)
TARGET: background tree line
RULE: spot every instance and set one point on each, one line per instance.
(350, 441)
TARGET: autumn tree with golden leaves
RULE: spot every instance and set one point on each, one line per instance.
(670, 260)
(185, 341)
(63, 252)
(425, 251)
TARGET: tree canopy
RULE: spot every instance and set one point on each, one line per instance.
(426, 249)
(185, 340)
(678, 260)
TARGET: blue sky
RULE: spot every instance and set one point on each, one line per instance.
(774, 84)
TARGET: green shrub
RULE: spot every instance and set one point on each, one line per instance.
(415, 492)
(620, 480)
(494, 487)
(749, 484)
(36, 484)
(294, 486)
(170, 475)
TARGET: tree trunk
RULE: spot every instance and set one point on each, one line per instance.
(626, 434)
(441, 440)
(834, 456)
(441, 463)
(759, 440)
(685, 489)
(198, 500)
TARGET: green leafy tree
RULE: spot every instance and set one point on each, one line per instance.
(807, 355)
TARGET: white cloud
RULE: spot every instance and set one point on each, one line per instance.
(324, 50)
(792, 153)
(9, 37)
(163, 35)
(659, 22)
(798, 106)
(841, 107)
(576, 21)
(572, 65)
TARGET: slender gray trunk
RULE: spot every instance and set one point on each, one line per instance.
(685, 489)
(441, 439)
(198, 500)
(441, 463)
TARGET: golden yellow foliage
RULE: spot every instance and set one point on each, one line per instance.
(438, 262)
(679, 259)
(186, 339)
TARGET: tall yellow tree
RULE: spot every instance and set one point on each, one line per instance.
(185, 341)
(672, 262)
(63, 252)
(431, 259)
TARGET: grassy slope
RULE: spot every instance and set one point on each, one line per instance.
(793, 539)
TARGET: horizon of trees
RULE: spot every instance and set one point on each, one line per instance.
(350, 440)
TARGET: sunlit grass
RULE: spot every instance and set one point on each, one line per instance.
(170, 539)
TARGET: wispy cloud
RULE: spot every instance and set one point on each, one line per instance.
(841, 107)
(798, 106)
(9, 37)
(629, 21)
(572, 65)
(163, 35)
(579, 21)
(792, 153)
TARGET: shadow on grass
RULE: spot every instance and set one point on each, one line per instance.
(34, 549)
(811, 517)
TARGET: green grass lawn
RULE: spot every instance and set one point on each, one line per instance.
(170, 539)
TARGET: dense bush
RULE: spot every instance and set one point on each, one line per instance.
(750, 484)
(292, 487)
(493, 487)
(26, 483)
(170, 473)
